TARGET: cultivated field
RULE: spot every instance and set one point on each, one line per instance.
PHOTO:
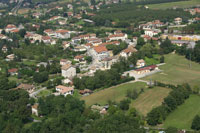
(181, 4)
(182, 117)
(113, 94)
(150, 99)
(177, 71)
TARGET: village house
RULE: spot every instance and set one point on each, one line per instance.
(70, 14)
(120, 36)
(70, 6)
(4, 49)
(13, 71)
(63, 90)
(68, 71)
(49, 32)
(65, 44)
(64, 62)
(100, 52)
(34, 109)
(151, 33)
(140, 63)
(27, 87)
(151, 25)
(178, 21)
(3, 37)
(108, 62)
(62, 34)
(79, 58)
(80, 48)
(36, 15)
(135, 40)
(68, 81)
(62, 22)
(88, 45)
(33, 37)
(145, 70)
(128, 51)
(54, 18)
(94, 41)
(10, 27)
(48, 40)
(10, 57)
(111, 43)
(36, 26)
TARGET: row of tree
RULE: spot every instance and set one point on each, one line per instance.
(175, 98)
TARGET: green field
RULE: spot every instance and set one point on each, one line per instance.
(177, 71)
(114, 93)
(150, 99)
(181, 4)
(182, 117)
(44, 93)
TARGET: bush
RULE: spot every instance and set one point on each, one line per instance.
(124, 104)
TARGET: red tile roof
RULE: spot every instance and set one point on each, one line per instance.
(62, 31)
(10, 26)
(100, 49)
(46, 37)
(12, 70)
(147, 68)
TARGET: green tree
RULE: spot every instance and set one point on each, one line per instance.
(124, 104)
(196, 123)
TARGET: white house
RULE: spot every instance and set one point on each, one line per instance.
(34, 109)
(128, 52)
(140, 63)
(62, 34)
(64, 62)
(178, 21)
(151, 33)
(63, 90)
(120, 36)
(100, 52)
(68, 71)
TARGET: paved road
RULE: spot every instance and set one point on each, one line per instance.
(15, 9)
(34, 94)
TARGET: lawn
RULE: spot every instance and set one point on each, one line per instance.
(177, 71)
(114, 93)
(29, 62)
(150, 99)
(44, 93)
(182, 117)
(181, 4)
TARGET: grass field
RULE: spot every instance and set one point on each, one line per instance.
(114, 93)
(181, 4)
(44, 93)
(150, 99)
(182, 117)
(177, 71)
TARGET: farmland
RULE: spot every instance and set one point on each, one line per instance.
(177, 71)
(150, 99)
(182, 117)
(114, 93)
(181, 4)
